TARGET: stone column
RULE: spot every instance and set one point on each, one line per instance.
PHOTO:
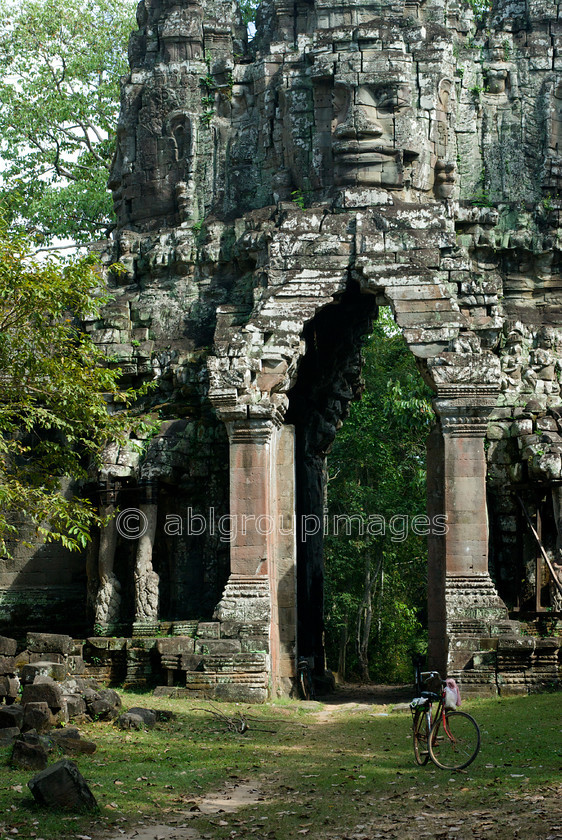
(246, 601)
(461, 594)
(108, 600)
(259, 602)
(146, 580)
(251, 473)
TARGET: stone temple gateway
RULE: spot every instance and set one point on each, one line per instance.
(270, 197)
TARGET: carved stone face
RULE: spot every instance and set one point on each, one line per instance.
(364, 136)
(388, 121)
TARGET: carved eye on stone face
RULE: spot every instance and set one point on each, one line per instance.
(385, 99)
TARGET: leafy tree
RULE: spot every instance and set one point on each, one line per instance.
(54, 395)
(375, 580)
(248, 9)
(60, 63)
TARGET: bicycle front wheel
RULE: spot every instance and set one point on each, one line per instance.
(454, 740)
(420, 732)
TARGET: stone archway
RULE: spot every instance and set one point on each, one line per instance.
(257, 368)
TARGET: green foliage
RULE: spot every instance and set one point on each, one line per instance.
(298, 198)
(54, 417)
(60, 63)
(480, 8)
(248, 9)
(377, 469)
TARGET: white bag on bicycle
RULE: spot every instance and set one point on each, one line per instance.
(452, 694)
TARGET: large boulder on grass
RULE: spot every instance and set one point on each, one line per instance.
(148, 715)
(137, 718)
(130, 721)
(62, 786)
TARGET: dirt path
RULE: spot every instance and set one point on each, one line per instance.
(226, 801)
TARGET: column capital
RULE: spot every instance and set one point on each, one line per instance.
(464, 409)
(251, 430)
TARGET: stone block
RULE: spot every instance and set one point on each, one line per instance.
(249, 644)
(62, 786)
(70, 742)
(11, 716)
(233, 692)
(191, 662)
(49, 643)
(111, 696)
(75, 665)
(52, 657)
(9, 687)
(75, 705)
(8, 736)
(54, 670)
(175, 645)
(148, 716)
(29, 756)
(7, 665)
(43, 692)
(37, 716)
(8, 646)
(100, 709)
(208, 630)
(216, 646)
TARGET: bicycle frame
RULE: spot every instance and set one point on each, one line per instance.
(445, 749)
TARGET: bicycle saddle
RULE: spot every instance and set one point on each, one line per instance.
(431, 695)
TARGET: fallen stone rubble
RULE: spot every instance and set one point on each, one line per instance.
(41, 695)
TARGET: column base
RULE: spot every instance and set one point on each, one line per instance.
(473, 605)
(145, 628)
(246, 600)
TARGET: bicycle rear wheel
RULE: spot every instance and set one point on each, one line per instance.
(454, 741)
(420, 732)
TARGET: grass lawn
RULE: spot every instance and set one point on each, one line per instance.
(323, 772)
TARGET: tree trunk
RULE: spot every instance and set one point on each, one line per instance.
(344, 635)
(365, 616)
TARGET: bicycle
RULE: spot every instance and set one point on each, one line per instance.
(304, 679)
(451, 739)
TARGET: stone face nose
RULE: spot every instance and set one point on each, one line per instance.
(358, 125)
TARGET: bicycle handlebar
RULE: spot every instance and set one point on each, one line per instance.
(431, 674)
